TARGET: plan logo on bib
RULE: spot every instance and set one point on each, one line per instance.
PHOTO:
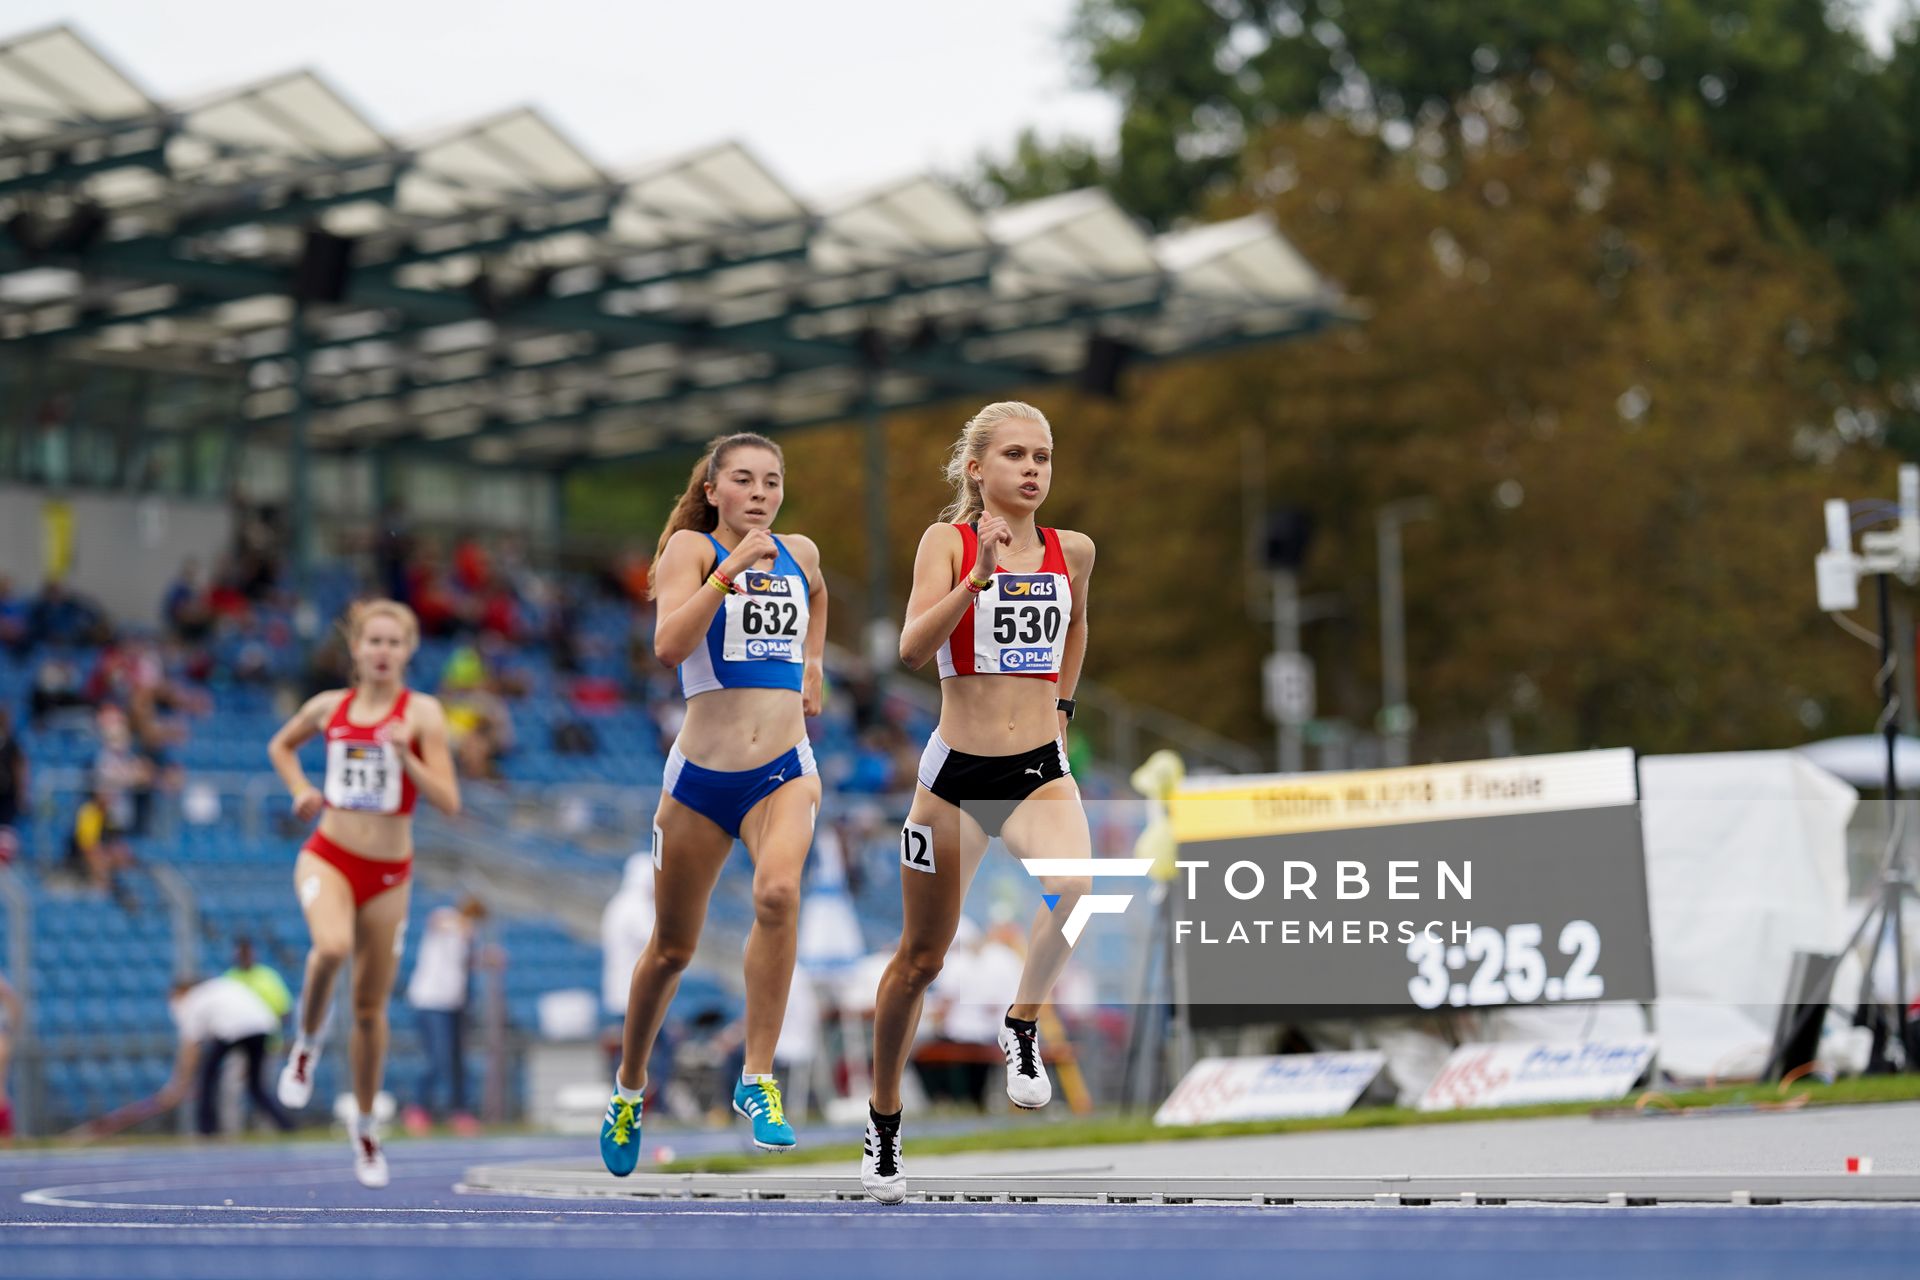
(1026, 659)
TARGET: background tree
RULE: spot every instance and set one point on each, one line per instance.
(1781, 100)
(1623, 385)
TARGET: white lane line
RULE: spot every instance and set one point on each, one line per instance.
(216, 1228)
(60, 1197)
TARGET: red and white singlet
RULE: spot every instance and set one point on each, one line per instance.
(1017, 625)
(364, 774)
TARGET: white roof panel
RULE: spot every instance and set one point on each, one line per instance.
(52, 79)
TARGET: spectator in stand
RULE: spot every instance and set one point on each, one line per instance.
(187, 611)
(14, 618)
(472, 567)
(438, 994)
(479, 726)
(13, 773)
(329, 667)
(433, 599)
(872, 770)
(56, 684)
(98, 849)
(214, 1018)
(563, 632)
(629, 576)
(59, 616)
(121, 777)
(227, 598)
(498, 610)
(11, 1015)
(257, 543)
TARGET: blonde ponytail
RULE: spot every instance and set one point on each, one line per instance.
(693, 511)
(976, 437)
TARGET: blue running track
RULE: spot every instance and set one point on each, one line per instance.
(295, 1212)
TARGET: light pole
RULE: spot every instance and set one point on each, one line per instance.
(1396, 714)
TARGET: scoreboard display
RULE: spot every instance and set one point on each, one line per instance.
(1475, 885)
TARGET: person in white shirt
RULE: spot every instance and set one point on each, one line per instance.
(214, 1018)
(626, 926)
(437, 993)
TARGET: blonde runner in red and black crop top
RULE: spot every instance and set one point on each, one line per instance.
(363, 773)
(1017, 624)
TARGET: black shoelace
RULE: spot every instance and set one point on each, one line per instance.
(1028, 1067)
(886, 1160)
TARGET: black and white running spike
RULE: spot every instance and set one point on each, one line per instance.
(880, 1171)
(1027, 1083)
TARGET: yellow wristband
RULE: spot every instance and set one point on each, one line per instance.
(977, 585)
(720, 583)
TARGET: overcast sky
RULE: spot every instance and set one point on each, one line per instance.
(832, 94)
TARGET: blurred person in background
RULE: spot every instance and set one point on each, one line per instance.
(98, 849)
(186, 610)
(437, 993)
(794, 1051)
(12, 1014)
(13, 772)
(57, 684)
(214, 1018)
(14, 634)
(969, 999)
(1001, 602)
(226, 596)
(742, 614)
(626, 926)
(121, 778)
(262, 979)
(58, 616)
(432, 596)
(472, 566)
(385, 747)
(479, 726)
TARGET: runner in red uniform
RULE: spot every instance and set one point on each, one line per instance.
(386, 746)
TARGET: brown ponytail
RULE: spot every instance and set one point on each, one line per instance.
(693, 511)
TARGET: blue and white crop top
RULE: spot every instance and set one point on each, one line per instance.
(757, 639)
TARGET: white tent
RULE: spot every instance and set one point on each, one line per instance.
(1862, 759)
(1746, 864)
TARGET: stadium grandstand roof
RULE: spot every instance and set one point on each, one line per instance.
(491, 292)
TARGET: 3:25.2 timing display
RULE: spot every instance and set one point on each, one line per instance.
(1508, 967)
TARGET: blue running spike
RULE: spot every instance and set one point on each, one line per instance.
(1052, 900)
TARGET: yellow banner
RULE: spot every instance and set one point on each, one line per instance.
(57, 535)
(1235, 808)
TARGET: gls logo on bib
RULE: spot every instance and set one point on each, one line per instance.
(1037, 586)
(767, 584)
